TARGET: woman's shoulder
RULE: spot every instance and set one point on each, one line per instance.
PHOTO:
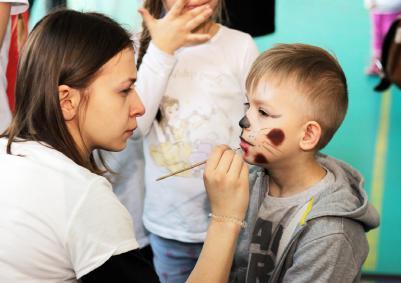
(41, 158)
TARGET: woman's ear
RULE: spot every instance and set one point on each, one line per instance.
(69, 101)
(311, 136)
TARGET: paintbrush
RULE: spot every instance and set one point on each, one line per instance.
(186, 168)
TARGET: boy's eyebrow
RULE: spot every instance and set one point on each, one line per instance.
(261, 102)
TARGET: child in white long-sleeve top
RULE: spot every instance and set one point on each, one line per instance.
(199, 90)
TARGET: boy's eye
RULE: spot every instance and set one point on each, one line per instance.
(264, 113)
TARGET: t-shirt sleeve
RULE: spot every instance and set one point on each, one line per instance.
(152, 81)
(100, 227)
(17, 6)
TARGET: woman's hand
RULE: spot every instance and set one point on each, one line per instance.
(175, 29)
(226, 182)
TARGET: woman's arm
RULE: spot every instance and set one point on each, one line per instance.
(5, 9)
(226, 182)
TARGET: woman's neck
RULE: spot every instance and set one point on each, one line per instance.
(83, 148)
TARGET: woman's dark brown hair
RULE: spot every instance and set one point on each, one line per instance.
(65, 48)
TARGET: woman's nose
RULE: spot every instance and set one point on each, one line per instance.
(137, 108)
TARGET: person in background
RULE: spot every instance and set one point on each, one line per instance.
(7, 8)
(194, 104)
(382, 14)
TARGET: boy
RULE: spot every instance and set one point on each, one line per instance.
(308, 212)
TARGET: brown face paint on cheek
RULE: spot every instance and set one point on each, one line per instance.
(260, 159)
(276, 136)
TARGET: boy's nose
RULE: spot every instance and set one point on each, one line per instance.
(244, 123)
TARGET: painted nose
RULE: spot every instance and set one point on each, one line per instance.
(244, 123)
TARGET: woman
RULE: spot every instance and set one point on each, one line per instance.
(60, 220)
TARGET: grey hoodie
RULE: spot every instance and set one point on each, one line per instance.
(331, 245)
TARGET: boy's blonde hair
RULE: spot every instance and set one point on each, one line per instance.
(318, 75)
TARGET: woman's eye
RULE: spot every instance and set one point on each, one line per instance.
(126, 91)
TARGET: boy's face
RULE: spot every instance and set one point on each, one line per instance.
(273, 125)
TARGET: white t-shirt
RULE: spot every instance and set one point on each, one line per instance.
(202, 93)
(17, 7)
(128, 182)
(58, 221)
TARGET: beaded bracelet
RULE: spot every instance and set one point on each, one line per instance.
(219, 218)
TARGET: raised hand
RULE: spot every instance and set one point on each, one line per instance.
(175, 29)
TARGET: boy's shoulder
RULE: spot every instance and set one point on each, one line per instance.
(324, 232)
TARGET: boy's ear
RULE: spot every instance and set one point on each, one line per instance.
(69, 101)
(311, 136)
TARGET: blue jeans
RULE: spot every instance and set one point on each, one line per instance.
(173, 260)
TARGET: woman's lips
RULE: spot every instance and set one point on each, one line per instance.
(130, 132)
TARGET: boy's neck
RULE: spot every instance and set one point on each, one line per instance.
(296, 177)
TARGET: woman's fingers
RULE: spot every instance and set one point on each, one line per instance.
(236, 166)
(224, 166)
(244, 175)
(214, 157)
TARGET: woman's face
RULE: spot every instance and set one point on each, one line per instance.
(109, 118)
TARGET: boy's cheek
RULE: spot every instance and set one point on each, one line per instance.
(255, 156)
(276, 137)
(261, 159)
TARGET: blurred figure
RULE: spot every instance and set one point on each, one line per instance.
(383, 13)
(19, 34)
(7, 8)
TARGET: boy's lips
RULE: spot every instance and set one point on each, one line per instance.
(245, 141)
(245, 145)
